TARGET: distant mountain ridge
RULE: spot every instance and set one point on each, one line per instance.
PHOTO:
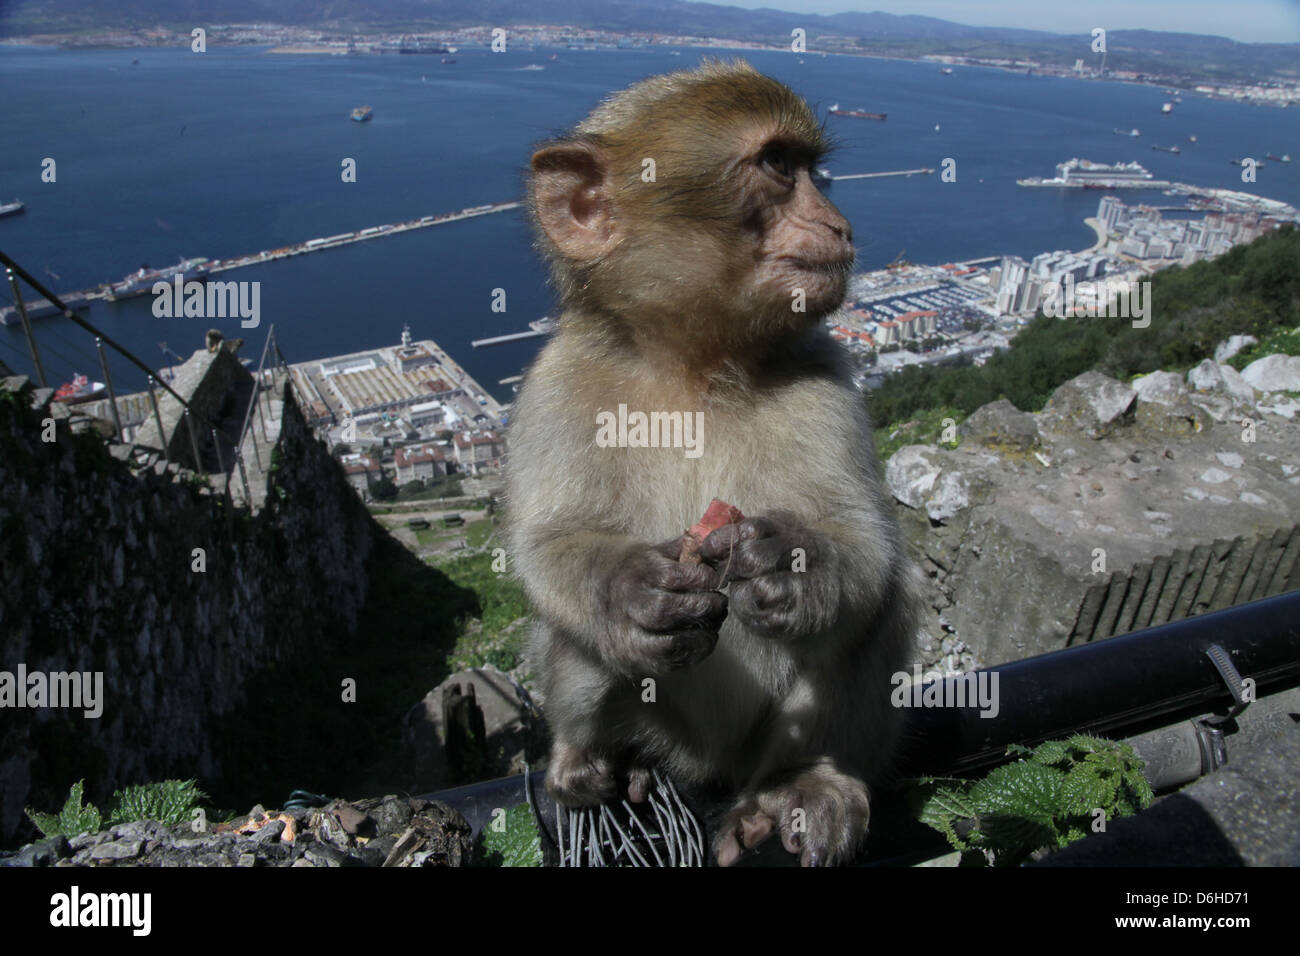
(1176, 57)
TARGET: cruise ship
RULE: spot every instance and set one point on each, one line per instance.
(1086, 171)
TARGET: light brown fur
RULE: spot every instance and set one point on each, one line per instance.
(793, 720)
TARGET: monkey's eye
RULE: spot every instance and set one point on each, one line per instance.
(777, 162)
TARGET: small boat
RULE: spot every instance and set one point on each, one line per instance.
(1167, 149)
(1125, 132)
(447, 59)
(11, 208)
(946, 71)
(821, 177)
(1192, 138)
(80, 389)
(362, 113)
(1167, 108)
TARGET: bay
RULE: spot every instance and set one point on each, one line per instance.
(237, 150)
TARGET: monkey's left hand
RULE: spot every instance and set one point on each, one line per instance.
(780, 572)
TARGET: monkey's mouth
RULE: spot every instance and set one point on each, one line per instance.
(827, 267)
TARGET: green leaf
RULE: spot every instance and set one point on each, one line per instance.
(72, 820)
(1022, 789)
(169, 802)
(511, 839)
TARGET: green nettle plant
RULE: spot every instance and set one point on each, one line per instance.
(514, 841)
(169, 802)
(1058, 792)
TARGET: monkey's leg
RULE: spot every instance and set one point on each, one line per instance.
(593, 721)
(820, 811)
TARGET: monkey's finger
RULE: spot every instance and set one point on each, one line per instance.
(673, 576)
(660, 611)
(684, 648)
(756, 828)
(727, 849)
(742, 557)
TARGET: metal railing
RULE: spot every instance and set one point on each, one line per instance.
(194, 420)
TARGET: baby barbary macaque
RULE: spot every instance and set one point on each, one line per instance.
(695, 260)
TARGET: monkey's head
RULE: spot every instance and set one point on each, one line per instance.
(683, 209)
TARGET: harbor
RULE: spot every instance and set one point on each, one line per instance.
(141, 281)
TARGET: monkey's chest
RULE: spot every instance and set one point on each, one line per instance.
(663, 486)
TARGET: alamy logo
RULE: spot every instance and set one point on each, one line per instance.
(80, 691)
(1102, 299)
(973, 689)
(76, 908)
(211, 300)
(653, 430)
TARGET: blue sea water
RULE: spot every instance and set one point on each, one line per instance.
(236, 150)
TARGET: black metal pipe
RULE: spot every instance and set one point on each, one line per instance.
(1117, 687)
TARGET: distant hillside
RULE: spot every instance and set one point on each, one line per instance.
(1140, 50)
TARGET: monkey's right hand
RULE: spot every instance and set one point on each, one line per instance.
(663, 615)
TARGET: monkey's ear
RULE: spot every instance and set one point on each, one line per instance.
(571, 199)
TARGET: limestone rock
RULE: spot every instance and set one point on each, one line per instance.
(1274, 373)
(1001, 424)
(1232, 345)
(911, 474)
(1091, 403)
(1163, 388)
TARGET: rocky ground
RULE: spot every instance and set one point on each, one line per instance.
(387, 831)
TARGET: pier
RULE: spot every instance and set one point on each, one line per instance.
(103, 291)
(347, 238)
(894, 172)
(512, 337)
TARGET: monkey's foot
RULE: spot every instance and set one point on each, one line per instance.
(821, 814)
(577, 778)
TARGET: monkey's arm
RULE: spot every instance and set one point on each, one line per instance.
(830, 555)
(794, 579)
(631, 603)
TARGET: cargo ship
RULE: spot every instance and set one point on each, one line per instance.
(1167, 149)
(1126, 132)
(40, 308)
(361, 114)
(856, 114)
(143, 279)
(1284, 158)
(9, 208)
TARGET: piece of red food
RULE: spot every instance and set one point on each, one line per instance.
(719, 514)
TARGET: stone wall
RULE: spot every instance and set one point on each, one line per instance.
(99, 574)
(1117, 507)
